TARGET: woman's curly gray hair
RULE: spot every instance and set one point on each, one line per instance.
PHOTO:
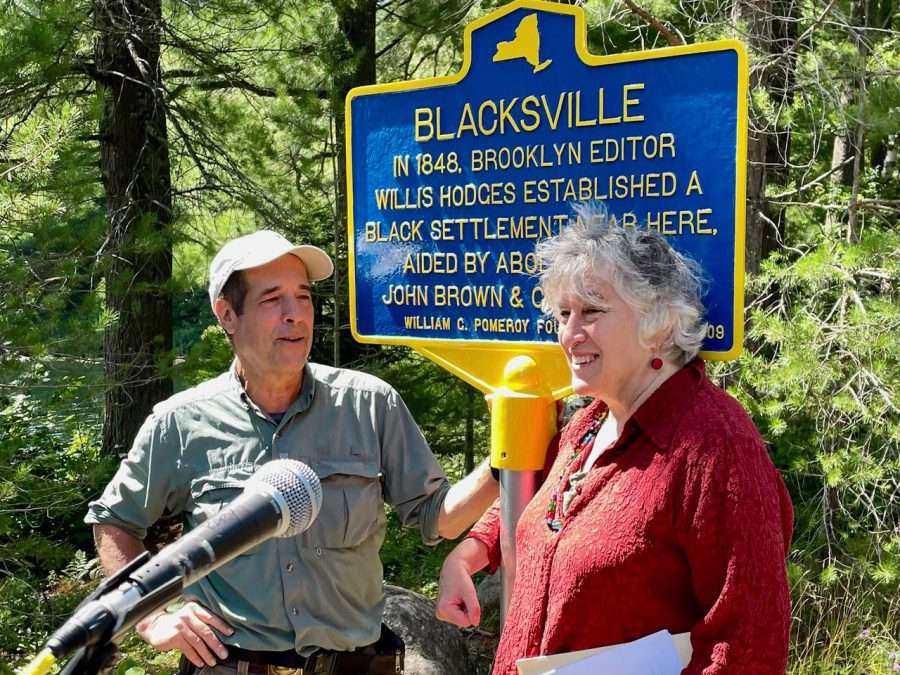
(662, 286)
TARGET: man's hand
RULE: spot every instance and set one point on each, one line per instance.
(457, 601)
(189, 630)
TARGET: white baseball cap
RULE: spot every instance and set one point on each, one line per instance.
(259, 248)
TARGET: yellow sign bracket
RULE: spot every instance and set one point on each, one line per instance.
(522, 385)
(523, 417)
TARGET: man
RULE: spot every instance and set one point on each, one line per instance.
(313, 601)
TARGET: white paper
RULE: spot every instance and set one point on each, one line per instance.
(651, 655)
(559, 663)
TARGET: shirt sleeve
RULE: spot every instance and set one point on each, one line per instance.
(145, 485)
(487, 531)
(414, 482)
(735, 525)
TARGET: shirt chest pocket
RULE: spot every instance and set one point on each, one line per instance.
(352, 504)
(213, 491)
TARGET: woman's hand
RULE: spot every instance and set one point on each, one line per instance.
(457, 601)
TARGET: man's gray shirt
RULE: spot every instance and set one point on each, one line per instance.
(324, 587)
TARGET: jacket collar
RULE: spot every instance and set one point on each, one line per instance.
(659, 415)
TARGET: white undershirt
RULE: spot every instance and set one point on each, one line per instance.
(606, 436)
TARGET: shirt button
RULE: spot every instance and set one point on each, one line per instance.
(294, 611)
(290, 567)
(318, 551)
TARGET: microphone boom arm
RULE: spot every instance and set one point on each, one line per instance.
(283, 498)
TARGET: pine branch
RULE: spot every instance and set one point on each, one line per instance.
(815, 181)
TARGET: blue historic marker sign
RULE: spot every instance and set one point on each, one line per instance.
(453, 181)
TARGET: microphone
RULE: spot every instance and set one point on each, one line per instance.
(282, 499)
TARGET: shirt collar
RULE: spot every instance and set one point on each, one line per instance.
(302, 402)
(307, 392)
(658, 415)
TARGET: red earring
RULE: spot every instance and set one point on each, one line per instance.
(656, 363)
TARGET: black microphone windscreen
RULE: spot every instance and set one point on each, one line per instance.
(296, 487)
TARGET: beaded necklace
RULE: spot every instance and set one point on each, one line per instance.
(554, 508)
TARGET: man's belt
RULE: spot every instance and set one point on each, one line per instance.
(322, 662)
(384, 657)
(276, 663)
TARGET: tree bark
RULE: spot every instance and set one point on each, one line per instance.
(135, 169)
(771, 30)
(756, 15)
(850, 142)
(889, 164)
(356, 22)
(782, 78)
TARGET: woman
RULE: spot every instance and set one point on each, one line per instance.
(660, 508)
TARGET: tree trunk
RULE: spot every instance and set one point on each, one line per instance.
(781, 78)
(849, 145)
(756, 16)
(356, 22)
(134, 164)
(781, 83)
(889, 165)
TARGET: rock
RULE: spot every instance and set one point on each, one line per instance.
(432, 646)
(489, 591)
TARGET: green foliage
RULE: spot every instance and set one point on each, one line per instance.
(438, 401)
(48, 472)
(408, 562)
(30, 611)
(50, 467)
(139, 658)
(840, 625)
(208, 357)
(821, 378)
(252, 94)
